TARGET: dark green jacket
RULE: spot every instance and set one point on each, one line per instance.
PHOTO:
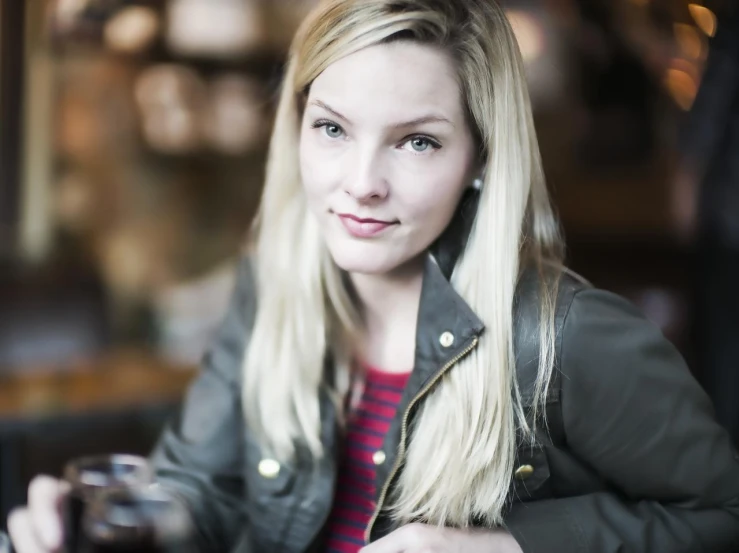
(634, 461)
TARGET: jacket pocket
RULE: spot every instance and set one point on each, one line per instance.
(266, 478)
(531, 476)
(270, 497)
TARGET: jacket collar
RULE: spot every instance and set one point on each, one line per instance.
(442, 315)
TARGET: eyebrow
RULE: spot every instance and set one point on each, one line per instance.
(412, 123)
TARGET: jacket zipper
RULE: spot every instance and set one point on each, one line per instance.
(404, 432)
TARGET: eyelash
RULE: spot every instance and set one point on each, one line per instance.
(433, 143)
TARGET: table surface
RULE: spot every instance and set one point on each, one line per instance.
(118, 380)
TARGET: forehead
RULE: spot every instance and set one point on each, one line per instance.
(391, 81)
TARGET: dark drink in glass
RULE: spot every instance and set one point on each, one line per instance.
(137, 520)
(88, 477)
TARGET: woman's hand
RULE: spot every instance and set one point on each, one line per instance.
(37, 528)
(421, 538)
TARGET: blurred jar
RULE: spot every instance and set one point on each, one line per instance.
(214, 28)
(234, 121)
(170, 98)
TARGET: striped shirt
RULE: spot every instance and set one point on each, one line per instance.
(355, 490)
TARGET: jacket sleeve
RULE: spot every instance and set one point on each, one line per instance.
(633, 412)
(199, 455)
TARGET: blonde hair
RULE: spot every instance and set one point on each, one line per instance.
(305, 313)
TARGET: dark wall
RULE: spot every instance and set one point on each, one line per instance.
(12, 26)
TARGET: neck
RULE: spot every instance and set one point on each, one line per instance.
(389, 304)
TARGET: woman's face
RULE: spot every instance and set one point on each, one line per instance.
(385, 154)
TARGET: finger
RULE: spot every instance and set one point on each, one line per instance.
(397, 541)
(388, 544)
(44, 497)
(21, 532)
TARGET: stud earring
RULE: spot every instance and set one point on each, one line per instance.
(477, 184)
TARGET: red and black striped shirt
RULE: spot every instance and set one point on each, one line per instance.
(366, 429)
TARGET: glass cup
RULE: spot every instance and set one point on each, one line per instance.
(4, 543)
(90, 476)
(137, 520)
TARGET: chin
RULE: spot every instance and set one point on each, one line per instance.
(370, 259)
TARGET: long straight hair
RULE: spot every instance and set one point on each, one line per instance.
(305, 312)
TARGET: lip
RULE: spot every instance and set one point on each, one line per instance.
(363, 227)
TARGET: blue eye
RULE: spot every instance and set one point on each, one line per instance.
(420, 144)
(330, 129)
(333, 131)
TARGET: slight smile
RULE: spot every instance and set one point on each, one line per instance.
(364, 228)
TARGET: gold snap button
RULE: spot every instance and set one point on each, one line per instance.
(523, 472)
(269, 468)
(446, 339)
(379, 457)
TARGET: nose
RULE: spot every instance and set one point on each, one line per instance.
(366, 181)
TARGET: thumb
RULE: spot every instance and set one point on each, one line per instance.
(46, 496)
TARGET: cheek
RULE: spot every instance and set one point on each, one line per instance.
(319, 172)
(434, 195)
(432, 214)
(311, 169)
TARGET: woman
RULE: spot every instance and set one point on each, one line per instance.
(405, 225)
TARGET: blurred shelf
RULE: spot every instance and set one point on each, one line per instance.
(123, 380)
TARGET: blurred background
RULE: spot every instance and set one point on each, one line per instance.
(133, 136)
